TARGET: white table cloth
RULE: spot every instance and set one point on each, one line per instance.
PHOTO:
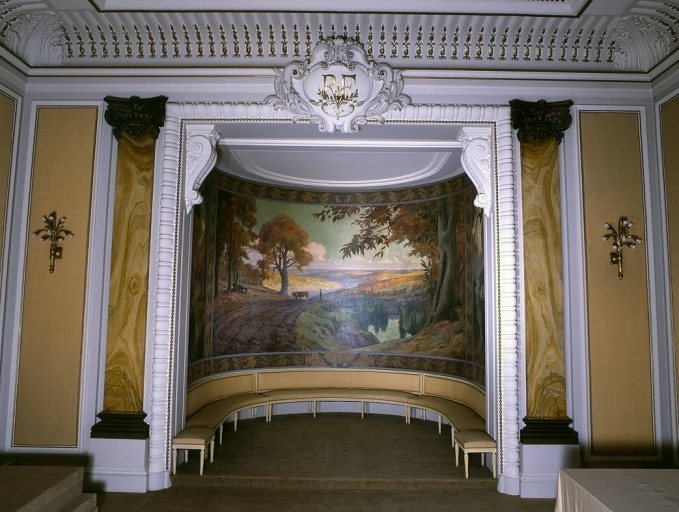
(618, 490)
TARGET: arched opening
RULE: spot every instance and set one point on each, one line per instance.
(485, 142)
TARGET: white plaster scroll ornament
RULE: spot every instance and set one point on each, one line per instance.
(476, 149)
(38, 37)
(201, 155)
(338, 87)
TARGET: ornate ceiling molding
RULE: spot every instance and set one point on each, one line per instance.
(338, 88)
(642, 42)
(531, 7)
(38, 37)
(634, 40)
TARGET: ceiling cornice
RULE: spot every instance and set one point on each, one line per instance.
(635, 41)
(502, 7)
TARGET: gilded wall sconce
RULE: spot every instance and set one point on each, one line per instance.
(621, 238)
(55, 232)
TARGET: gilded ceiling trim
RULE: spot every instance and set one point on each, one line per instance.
(636, 41)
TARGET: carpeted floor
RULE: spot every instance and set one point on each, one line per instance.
(335, 462)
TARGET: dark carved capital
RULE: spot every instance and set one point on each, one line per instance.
(135, 116)
(548, 431)
(537, 121)
(120, 425)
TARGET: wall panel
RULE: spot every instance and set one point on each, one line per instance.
(48, 382)
(621, 400)
(8, 108)
(669, 120)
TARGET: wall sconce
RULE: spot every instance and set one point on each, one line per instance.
(54, 231)
(621, 238)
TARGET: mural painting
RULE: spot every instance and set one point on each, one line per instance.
(383, 280)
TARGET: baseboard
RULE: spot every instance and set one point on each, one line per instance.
(118, 480)
(539, 486)
(540, 466)
(159, 481)
(508, 485)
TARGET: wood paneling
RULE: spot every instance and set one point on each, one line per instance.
(7, 118)
(128, 296)
(48, 383)
(545, 368)
(669, 119)
(619, 340)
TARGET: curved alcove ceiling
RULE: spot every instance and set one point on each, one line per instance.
(376, 158)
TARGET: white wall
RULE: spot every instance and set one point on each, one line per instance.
(424, 87)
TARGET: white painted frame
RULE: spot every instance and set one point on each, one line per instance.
(5, 343)
(502, 235)
(672, 330)
(92, 312)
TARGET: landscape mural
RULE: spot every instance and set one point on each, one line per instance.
(298, 278)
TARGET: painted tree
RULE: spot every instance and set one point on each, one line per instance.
(282, 244)
(429, 229)
(236, 218)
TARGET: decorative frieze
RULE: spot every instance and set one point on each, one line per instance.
(636, 41)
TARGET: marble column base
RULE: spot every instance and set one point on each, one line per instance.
(120, 425)
(548, 431)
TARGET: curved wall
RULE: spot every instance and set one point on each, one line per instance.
(388, 279)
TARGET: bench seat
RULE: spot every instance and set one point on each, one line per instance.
(214, 414)
(474, 441)
(313, 396)
(193, 438)
(459, 416)
(215, 400)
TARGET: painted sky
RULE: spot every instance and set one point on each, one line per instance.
(327, 239)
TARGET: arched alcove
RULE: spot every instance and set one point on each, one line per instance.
(189, 152)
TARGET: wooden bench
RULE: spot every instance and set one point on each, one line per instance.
(193, 438)
(475, 441)
(211, 402)
(314, 396)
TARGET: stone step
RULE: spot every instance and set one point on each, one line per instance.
(40, 488)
